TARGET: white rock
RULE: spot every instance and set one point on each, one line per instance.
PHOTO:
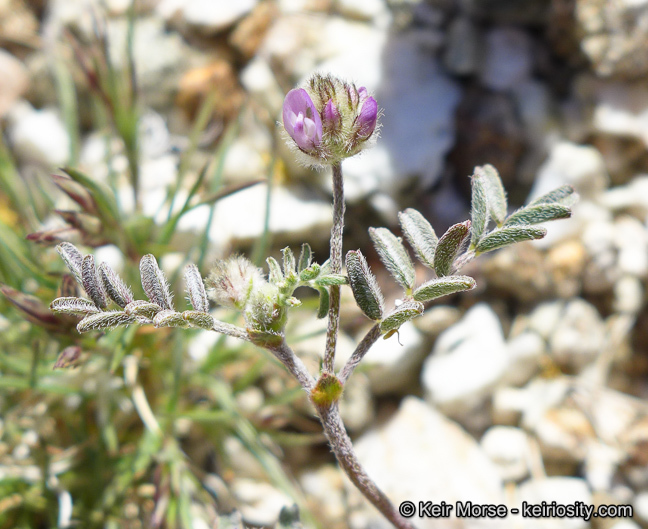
(640, 504)
(363, 9)
(13, 80)
(244, 464)
(625, 524)
(537, 397)
(260, 503)
(631, 239)
(508, 58)
(628, 295)
(508, 448)
(421, 100)
(611, 413)
(419, 455)
(395, 361)
(581, 166)
(357, 406)
(325, 485)
(118, 7)
(577, 338)
(634, 194)
(241, 216)
(468, 360)
(311, 339)
(621, 109)
(508, 405)
(158, 174)
(154, 137)
(437, 319)
(562, 490)
(250, 400)
(258, 80)
(211, 16)
(304, 43)
(244, 161)
(524, 351)
(39, 136)
(160, 57)
(601, 462)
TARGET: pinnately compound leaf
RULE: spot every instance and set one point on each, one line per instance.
(479, 215)
(449, 246)
(509, 235)
(154, 283)
(364, 286)
(406, 311)
(91, 282)
(196, 288)
(305, 257)
(420, 235)
(115, 286)
(72, 258)
(394, 256)
(104, 320)
(537, 214)
(564, 195)
(198, 319)
(73, 306)
(495, 194)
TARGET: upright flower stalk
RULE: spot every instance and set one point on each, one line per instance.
(336, 268)
(326, 122)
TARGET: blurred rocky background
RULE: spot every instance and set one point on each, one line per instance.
(533, 386)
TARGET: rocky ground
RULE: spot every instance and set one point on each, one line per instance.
(532, 387)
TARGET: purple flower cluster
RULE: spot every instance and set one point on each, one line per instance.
(329, 120)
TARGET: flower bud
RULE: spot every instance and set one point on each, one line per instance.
(367, 119)
(232, 281)
(329, 120)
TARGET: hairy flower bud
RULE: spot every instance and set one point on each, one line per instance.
(232, 281)
(329, 120)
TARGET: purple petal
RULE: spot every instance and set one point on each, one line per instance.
(362, 93)
(301, 119)
(331, 114)
(367, 118)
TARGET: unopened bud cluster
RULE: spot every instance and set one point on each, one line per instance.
(239, 284)
(329, 120)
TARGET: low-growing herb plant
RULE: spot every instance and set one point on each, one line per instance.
(325, 122)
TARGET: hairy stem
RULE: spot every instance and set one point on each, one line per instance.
(292, 362)
(336, 268)
(231, 330)
(361, 350)
(343, 450)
